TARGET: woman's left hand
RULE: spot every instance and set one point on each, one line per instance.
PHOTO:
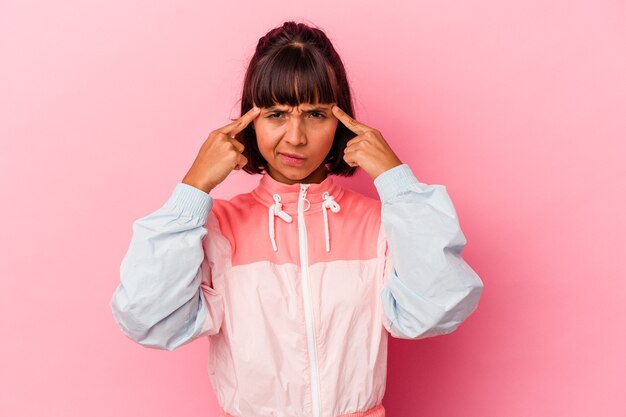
(368, 149)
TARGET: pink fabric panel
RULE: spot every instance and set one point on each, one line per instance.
(263, 334)
(346, 300)
(263, 301)
(245, 220)
(378, 411)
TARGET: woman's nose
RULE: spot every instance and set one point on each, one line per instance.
(295, 133)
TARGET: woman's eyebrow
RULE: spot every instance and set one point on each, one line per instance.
(276, 109)
(316, 109)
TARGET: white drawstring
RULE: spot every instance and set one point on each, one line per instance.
(276, 209)
(329, 202)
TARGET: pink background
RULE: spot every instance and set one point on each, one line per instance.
(517, 107)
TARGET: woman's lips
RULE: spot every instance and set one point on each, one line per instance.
(293, 160)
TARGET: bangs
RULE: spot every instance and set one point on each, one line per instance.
(293, 76)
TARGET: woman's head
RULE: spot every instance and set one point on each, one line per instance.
(295, 76)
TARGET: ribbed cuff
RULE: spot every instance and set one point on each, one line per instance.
(394, 181)
(191, 200)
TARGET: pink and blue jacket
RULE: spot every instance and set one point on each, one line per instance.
(297, 288)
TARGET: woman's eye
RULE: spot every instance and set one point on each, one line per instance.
(315, 115)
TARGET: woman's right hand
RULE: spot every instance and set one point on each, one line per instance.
(219, 154)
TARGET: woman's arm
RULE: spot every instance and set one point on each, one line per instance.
(165, 298)
(428, 288)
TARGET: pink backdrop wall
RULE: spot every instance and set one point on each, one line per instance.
(518, 107)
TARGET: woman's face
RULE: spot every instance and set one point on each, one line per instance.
(305, 132)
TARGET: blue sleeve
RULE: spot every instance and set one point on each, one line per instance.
(429, 289)
(159, 302)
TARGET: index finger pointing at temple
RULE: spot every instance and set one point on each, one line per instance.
(349, 122)
(238, 125)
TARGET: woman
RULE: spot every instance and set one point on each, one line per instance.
(298, 283)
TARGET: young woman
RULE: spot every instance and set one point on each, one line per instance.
(298, 283)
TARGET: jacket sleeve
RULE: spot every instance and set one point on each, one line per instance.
(428, 288)
(165, 298)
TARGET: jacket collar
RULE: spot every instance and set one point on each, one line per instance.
(289, 193)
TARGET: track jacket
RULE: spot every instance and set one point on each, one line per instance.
(297, 288)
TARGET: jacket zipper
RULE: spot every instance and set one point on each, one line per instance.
(308, 303)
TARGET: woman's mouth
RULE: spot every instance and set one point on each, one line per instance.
(293, 160)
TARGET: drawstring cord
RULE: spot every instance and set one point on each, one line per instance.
(276, 209)
(329, 202)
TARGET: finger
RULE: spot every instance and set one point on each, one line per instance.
(238, 125)
(350, 159)
(354, 141)
(241, 162)
(349, 152)
(238, 145)
(349, 122)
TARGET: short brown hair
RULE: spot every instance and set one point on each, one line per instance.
(294, 64)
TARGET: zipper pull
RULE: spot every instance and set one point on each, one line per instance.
(303, 190)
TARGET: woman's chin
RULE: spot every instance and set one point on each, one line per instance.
(296, 174)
